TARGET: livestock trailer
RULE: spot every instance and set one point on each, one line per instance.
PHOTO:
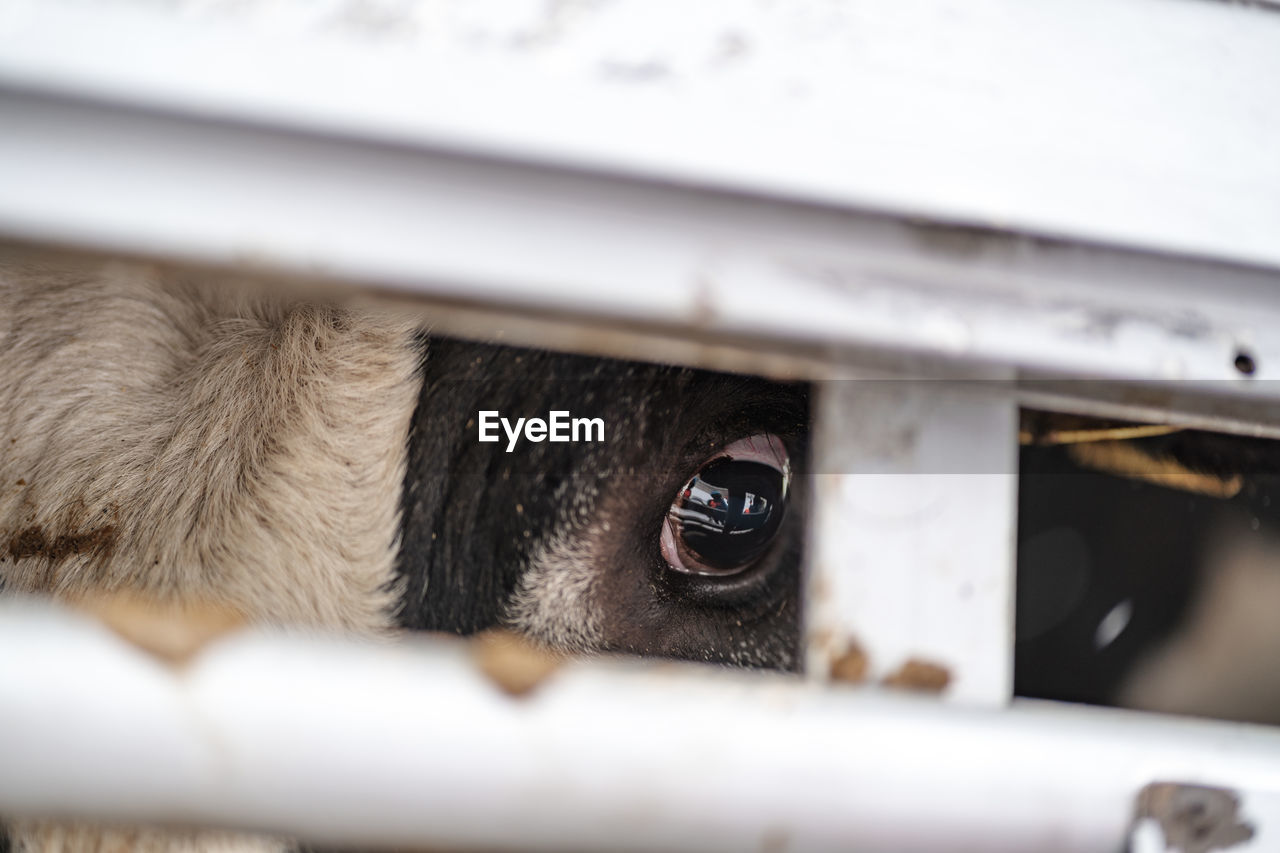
(940, 214)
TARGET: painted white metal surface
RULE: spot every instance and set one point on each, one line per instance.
(914, 526)
(1146, 122)
(585, 161)
(836, 286)
(355, 141)
(410, 744)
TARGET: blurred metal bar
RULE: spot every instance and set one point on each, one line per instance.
(837, 286)
(329, 150)
(1144, 122)
(411, 745)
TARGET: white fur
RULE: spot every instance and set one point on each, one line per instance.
(194, 440)
(553, 601)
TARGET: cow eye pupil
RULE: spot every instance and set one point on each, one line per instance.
(728, 514)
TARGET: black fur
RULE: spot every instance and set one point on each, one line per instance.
(474, 514)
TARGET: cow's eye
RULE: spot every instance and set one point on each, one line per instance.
(727, 515)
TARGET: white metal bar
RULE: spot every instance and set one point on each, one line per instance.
(1143, 121)
(126, 131)
(718, 266)
(914, 532)
(410, 744)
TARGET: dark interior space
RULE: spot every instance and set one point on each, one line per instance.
(1149, 583)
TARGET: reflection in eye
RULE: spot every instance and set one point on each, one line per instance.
(729, 513)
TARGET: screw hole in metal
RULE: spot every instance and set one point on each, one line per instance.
(1245, 363)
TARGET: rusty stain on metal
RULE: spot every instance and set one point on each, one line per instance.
(851, 665)
(922, 675)
(513, 663)
(172, 632)
(1194, 818)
